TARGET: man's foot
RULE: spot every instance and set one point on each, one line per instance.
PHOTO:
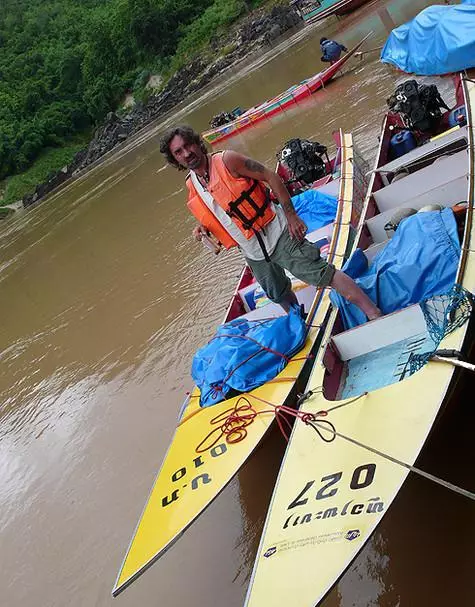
(375, 315)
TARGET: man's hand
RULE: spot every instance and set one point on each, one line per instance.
(297, 227)
(198, 233)
(201, 234)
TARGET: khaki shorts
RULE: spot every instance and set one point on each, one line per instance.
(302, 259)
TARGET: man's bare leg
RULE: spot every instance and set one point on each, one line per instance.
(348, 288)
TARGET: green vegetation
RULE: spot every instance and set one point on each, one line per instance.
(214, 18)
(65, 63)
(229, 48)
(50, 159)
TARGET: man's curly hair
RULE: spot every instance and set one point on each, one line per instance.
(189, 136)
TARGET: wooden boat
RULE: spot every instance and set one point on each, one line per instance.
(314, 10)
(200, 461)
(269, 108)
(372, 405)
(348, 6)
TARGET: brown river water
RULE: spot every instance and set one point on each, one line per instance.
(105, 298)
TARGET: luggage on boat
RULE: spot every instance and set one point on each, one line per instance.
(401, 143)
(418, 104)
(399, 216)
(458, 116)
(439, 40)
(245, 354)
(419, 262)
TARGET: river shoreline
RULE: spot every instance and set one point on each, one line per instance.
(256, 31)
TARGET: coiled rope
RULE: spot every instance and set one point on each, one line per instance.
(232, 424)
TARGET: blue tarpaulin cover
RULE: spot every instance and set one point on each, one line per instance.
(439, 40)
(420, 261)
(235, 360)
(315, 208)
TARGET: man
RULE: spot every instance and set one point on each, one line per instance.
(331, 50)
(227, 195)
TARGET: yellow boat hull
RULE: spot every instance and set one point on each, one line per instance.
(200, 462)
(329, 497)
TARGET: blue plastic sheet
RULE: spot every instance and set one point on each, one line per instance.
(420, 261)
(315, 208)
(439, 40)
(234, 358)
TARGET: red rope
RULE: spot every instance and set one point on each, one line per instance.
(233, 422)
(254, 341)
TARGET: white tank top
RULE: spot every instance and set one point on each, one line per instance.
(250, 248)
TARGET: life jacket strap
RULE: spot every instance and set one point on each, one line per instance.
(262, 245)
(234, 209)
(248, 222)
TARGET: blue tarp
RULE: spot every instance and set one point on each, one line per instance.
(315, 208)
(420, 261)
(439, 40)
(235, 360)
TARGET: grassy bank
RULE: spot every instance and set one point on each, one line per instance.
(208, 33)
(49, 161)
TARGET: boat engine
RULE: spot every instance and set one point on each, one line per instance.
(221, 119)
(225, 117)
(303, 159)
(418, 104)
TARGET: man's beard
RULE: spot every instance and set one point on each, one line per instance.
(193, 163)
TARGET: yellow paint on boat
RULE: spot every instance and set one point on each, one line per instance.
(189, 480)
(454, 128)
(329, 497)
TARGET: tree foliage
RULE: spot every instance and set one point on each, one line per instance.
(65, 63)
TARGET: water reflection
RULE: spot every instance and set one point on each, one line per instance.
(105, 298)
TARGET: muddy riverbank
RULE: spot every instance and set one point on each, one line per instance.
(255, 32)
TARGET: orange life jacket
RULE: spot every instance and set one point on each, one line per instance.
(245, 200)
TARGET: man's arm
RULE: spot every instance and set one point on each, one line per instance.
(242, 166)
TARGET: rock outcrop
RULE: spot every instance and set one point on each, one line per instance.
(255, 32)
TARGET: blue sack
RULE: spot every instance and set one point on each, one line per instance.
(236, 360)
(420, 261)
(439, 40)
(315, 208)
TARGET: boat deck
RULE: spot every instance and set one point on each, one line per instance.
(450, 141)
(383, 367)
